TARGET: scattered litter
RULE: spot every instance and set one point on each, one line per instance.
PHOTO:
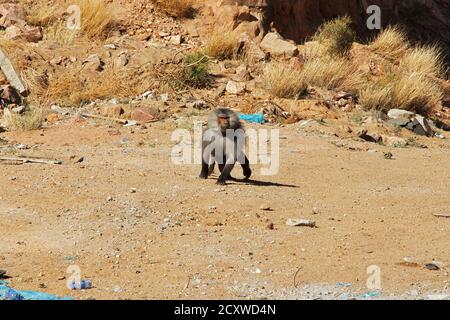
(148, 94)
(164, 97)
(7, 293)
(432, 266)
(301, 223)
(30, 160)
(370, 294)
(80, 285)
(255, 118)
(343, 284)
(131, 123)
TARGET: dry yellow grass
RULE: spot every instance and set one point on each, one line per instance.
(30, 120)
(336, 35)
(332, 73)
(97, 17)
(283, 81)
(378, 95)
(392, 43)
(176, 8)
(42, 13)
(223, 43)
(72, 89)
(59, 33)
(414, 92)
(426, 60)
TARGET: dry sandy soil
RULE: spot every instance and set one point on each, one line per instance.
(179, 237)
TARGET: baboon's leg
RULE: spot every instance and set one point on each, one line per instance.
(225, 175)
(205, 172)
(246, 168)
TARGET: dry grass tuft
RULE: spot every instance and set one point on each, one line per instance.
(336, 35)
(42, 13)
(332, 73)
(413, 92)
(392, 43)
(30, 120)
(223, 43)
(59, 33)
(283, 81)
(72, 89)
(177, 8)
(426, 60)
(418, 93)
(97, 17)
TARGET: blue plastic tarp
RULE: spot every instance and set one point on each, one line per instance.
(256, 117)
(7, 293)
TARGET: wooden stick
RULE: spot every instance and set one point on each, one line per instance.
(442, 215)
(94, 116)
(30, 160)
(120, 121)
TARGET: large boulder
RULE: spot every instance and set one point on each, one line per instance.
(277, 46)
(26, 33)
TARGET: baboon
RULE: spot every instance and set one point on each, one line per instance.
(223, 142)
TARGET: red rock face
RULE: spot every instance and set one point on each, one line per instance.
(298, 19)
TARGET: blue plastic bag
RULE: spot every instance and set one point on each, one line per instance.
(256, 117)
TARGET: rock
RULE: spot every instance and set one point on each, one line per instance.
(143, 115)
(400, 114)
(425, 128)
(197, 104)
(56, 61)
(164, 97)
(29, 34)
(234, 87)
(255, 29)
(10, 74)
(242, 74)
(370, 137)
(219, 91)
(52, 118)
(18, 110)
(277, 46)
(301, 223)
(399, 122)
(252, 51)
(122, 59)
(94, 63)
(265, 207)
(110, 46)
(9, 94)
(148, 95)
(9, 14)
(395, 142)
(178, 39)
(112, 110)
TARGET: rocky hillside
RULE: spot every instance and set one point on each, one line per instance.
(298, 19)
(148, 61)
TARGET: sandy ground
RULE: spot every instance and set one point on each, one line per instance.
(143, 228)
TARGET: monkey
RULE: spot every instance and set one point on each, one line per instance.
(223, 142)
